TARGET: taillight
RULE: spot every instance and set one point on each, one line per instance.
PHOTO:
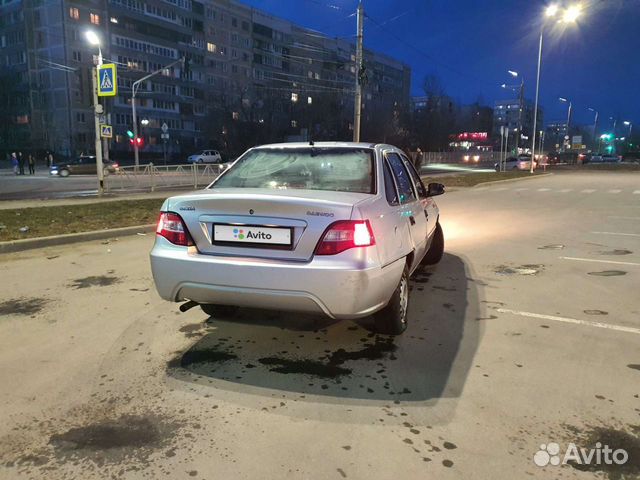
(171, 227)
(345, 234)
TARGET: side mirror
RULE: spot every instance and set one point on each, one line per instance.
(435, 189)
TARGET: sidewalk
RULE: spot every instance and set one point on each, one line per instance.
(11, 204)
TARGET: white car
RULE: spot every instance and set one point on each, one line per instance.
(334, 228)
(517, 163)
(206, 156)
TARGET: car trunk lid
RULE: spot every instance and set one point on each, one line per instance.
(237, 221)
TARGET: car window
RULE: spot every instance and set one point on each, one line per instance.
(422, 191)
(338, 169)
(389, 186)
(403, 181)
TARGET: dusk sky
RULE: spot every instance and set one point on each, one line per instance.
(471, 44)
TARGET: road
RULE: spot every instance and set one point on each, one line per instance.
(45, 187)
(527, 333)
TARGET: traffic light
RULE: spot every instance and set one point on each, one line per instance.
(130, 134)
(139, 142)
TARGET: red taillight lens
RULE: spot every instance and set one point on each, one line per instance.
(171, 227)
(345, 234)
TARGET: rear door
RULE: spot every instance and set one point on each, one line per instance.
(413, 211)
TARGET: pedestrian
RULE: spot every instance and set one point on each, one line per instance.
(21, 163)
(32, 164)
(14, 163)
(50, 158)
(418, 159)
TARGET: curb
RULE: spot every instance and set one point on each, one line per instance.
(31, 243)
(512, 180)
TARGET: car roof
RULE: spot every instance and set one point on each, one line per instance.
(322, 145)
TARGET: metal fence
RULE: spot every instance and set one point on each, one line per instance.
(152, 177)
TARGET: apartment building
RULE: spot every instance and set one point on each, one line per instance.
(245, 67)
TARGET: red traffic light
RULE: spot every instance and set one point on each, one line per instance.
(138, 141)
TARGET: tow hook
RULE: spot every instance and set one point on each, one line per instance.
(188, 305)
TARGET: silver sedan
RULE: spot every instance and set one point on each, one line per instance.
(335, 228)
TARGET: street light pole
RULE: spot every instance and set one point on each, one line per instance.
(595, 126)
(535, 105)
(134, 89)
(357, 114)
(97, 111)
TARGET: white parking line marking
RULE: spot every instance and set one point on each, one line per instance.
(521, 189)
(587, 190)
(600, 261)
(544, 189)
(614, 191)
(622, 234)
(501, 189)
(565, 190)
(636, 192)
(575, 321)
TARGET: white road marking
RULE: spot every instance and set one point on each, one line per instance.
(616, 233)
(521, 189)
(544, 189)
(501, 189)
(587, 190)
(636, 192)
(600, 261)
(565, 190)
(614, 191)
(575, 321)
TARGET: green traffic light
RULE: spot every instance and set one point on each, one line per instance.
(129, 134)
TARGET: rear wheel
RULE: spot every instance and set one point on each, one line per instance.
(392, 319)
(218, 311)
(64, 173)
(436, 249)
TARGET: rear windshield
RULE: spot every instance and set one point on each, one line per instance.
(337, 169)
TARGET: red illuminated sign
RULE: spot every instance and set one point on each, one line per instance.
(472, 136)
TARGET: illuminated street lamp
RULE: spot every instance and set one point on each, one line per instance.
(630, 125)
(520, 89)
(570, 15)
(564, 100)
(94, 39)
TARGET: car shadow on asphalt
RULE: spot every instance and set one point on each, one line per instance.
(313, 355)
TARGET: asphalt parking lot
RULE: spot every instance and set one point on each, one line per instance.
(526, 333)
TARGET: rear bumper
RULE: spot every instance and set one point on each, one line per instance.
(323, 285)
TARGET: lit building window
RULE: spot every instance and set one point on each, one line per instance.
(74, 13)
(294, 123)
(211, 47)
(95, 18)
(114, 20)
(235, 115)
(294, 97)
(22, 119)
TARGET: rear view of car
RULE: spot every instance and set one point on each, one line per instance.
(301, 228)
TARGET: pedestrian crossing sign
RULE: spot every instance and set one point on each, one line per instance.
(107, 81)
(106, 131)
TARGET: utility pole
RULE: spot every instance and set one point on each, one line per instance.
(98, 110)
(357, 114)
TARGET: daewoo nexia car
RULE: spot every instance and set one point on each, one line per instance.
(336, 228)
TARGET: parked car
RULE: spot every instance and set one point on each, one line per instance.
(206, 156)
(82, 165)
(334, 228)
(605, 158)
(570, 158)
(522, 162)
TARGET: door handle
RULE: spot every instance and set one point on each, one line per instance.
(426, 214)
(412, 220)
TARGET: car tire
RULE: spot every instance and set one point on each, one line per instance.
(392, 319)
(219, 311)
(436, 249)
(64, 173)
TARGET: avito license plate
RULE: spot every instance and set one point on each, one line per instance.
(252, 234)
